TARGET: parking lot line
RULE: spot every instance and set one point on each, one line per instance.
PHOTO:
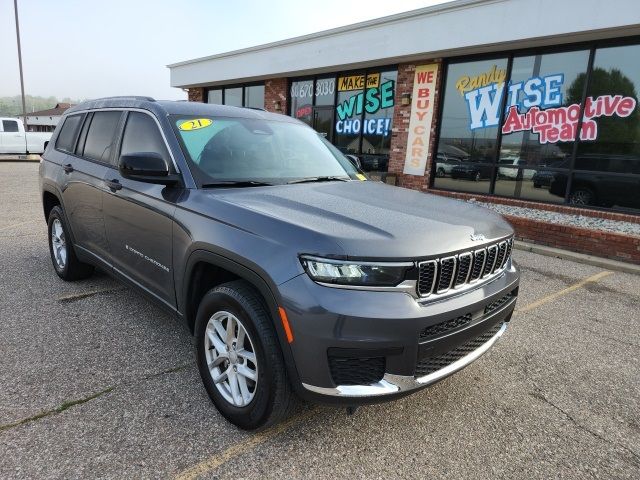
(564, 291)
(219, 459)
(212, 463)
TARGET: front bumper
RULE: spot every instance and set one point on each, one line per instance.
(389, 325)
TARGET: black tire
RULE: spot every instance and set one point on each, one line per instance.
(273, 398)
(72, 269)
(440, 172)
(477, 177)
(537, 185)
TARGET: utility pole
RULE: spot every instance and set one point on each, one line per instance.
(24, 106)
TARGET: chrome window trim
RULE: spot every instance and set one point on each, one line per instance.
(132, 109)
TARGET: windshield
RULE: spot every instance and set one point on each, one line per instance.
(254, 150)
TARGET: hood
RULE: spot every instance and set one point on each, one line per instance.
(364, 219)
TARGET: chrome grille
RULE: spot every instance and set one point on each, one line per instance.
(446, 273)
(464, 268)
(427, 277)
(440, 275)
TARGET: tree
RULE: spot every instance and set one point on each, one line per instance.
(615, 135)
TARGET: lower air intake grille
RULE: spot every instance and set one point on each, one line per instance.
(497, 303)
(356, 371)
(427, 366)
(444, 327)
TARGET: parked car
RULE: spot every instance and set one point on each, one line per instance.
(543, 177)
(445, 163)
(297, 278)
(471, 171)
(510, 167)
(14, 139)
(601, 189)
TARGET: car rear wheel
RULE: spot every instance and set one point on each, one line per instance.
(477, 177)
(581, 196)
(440, 172)
(239, 358)
(63, 256)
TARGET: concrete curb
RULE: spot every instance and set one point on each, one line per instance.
(578, 257)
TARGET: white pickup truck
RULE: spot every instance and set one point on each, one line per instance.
(13, 138)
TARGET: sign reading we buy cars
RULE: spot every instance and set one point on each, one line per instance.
(424, 86)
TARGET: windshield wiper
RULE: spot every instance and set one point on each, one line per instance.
(320, 179)
(235, 183)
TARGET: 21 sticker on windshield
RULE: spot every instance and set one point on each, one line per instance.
(195, 124)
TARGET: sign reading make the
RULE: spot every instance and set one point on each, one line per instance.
(424, 87)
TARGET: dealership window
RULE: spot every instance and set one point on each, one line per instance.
(302, 100)
(543, 155)
(247, 96)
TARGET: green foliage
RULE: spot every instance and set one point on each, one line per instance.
(12, 106)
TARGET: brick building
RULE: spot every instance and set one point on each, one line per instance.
(516, 102)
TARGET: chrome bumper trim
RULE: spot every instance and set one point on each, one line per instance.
(391, 383)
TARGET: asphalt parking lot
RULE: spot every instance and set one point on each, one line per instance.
(97, 382)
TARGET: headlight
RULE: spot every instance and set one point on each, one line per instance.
(341, 272)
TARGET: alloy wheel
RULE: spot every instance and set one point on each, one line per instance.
(58, 244)
(231, 358)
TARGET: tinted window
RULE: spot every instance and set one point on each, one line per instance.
(10, 125)
(254, 96)
(141, 134)
(302, 100)
(233, 96)
(67, 136)
(101, 136)
(215, 96)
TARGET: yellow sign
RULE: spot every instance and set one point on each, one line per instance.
(356, 82)
(195, 124)
(494, 75)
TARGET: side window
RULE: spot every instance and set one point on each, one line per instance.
(101, 136)
(9, 125)
(141, 134)
(67, 136)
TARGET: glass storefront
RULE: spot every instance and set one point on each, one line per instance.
(352, 110)
(247, 96)
(544, 126)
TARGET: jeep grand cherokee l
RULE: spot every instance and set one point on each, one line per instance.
(297, 276)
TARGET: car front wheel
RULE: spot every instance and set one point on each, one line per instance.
(63, 256)
(239, 358)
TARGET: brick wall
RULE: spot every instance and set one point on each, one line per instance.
(275, 90)
(196, 94)
(601, 244)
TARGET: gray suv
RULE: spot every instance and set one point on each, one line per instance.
(297, 276)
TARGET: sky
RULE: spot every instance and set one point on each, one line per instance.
(89, 48)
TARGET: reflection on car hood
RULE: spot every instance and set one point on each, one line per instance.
(363, 219)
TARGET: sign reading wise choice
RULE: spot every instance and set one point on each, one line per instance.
(424, 86)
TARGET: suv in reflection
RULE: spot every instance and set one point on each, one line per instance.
(614, 180)
(298, 278)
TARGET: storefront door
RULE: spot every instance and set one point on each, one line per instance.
(323, 121)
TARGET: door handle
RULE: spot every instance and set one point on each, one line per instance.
(68, 168)
(113, 184)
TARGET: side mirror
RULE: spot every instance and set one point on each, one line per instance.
(147, 167)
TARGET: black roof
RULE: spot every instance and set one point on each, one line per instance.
(168, 107)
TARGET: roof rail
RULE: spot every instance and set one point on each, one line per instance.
(129, 97)
(256, 108)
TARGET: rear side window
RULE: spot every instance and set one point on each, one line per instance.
(9, 125)
(101, 136)
(67, 136)
(141, 134)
